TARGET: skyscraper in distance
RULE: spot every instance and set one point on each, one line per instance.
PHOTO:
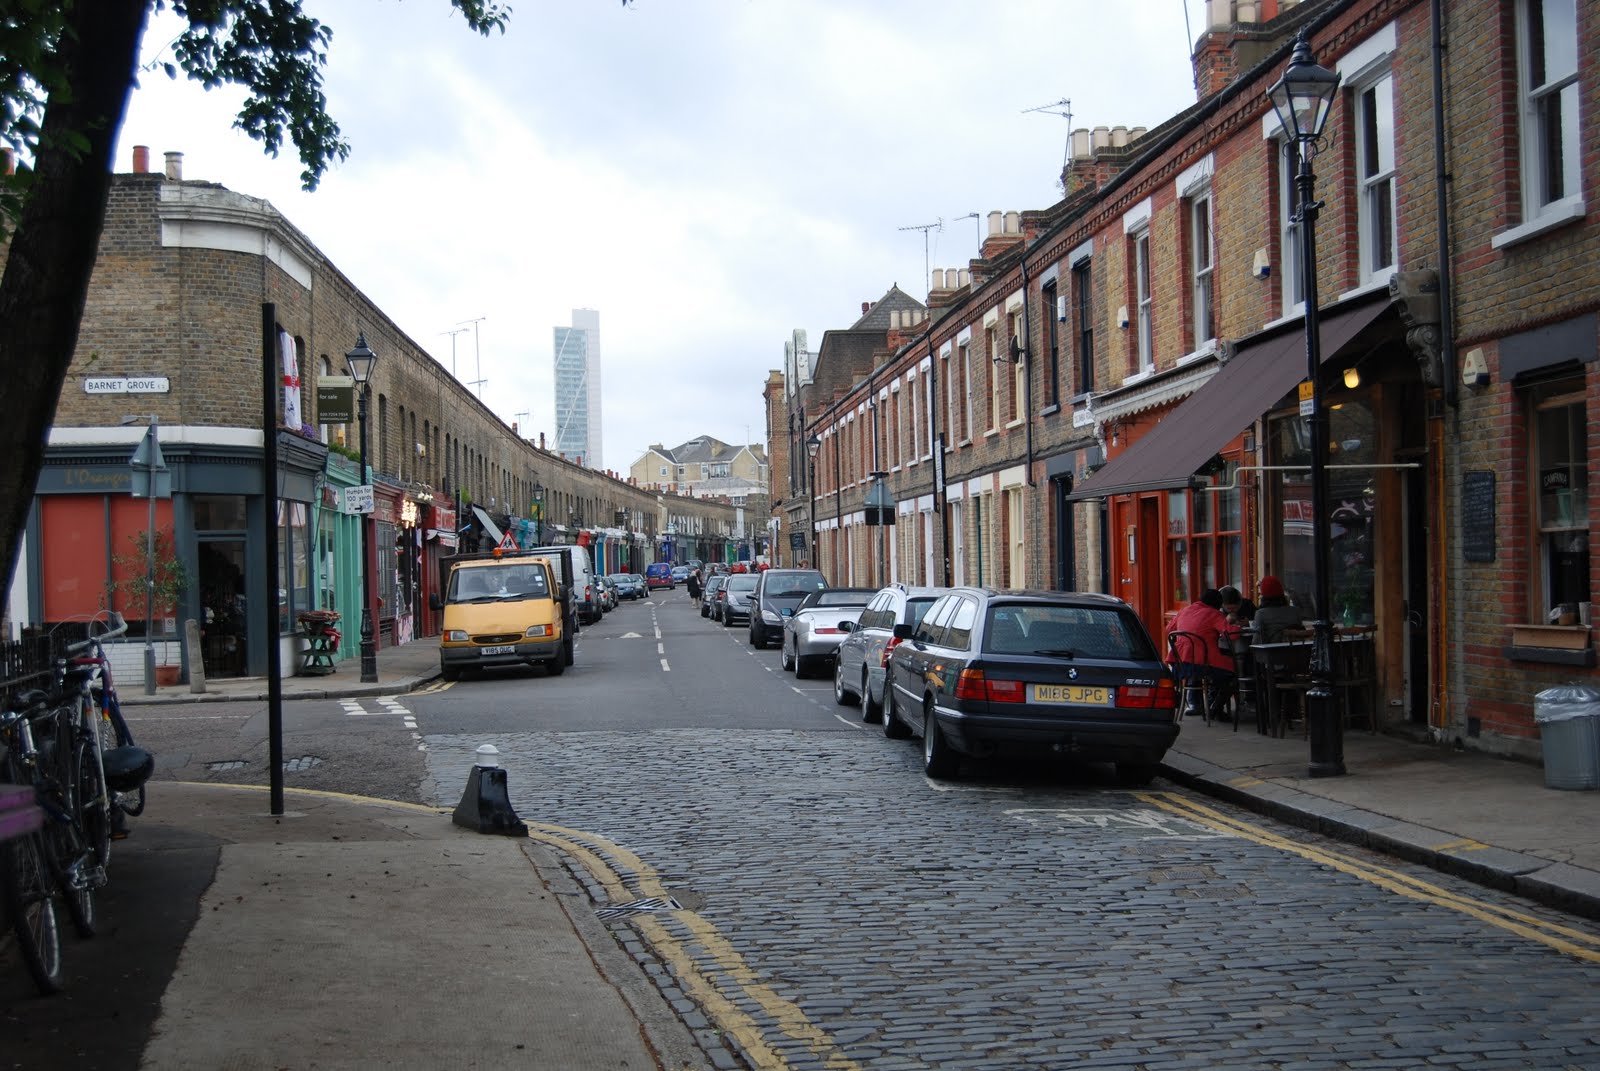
(577, 380)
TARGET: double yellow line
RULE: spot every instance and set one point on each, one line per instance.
(1576, 943)
(626, 877)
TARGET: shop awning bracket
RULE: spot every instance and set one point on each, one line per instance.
(1234, 485)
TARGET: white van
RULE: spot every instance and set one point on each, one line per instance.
(585, 585)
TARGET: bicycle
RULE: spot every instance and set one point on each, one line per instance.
(125, 766)
(34, 879)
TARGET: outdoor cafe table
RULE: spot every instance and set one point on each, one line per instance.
(1284, 667)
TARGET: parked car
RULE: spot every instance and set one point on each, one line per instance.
(735, 598)
(680, 573)
(778, 592)
(812, 633)
(1031, 673)
(708, 597)
(864, 652)
(658, 575)
(608, 594)
(629, 585)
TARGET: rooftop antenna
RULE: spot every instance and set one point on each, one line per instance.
(521, 434)
(1062, 107)
(477, 355)
(453, 333)
(977, 224)
(927, 268)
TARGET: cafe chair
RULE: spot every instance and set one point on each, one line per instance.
(1355, 680)
(1283, 676)
(1185, 655)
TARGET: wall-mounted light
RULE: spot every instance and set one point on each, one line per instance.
(1352, 378)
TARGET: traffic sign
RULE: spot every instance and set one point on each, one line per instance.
(1308, 400)
(358, 499)
(150, 467)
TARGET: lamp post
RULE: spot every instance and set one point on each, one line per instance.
(360, 362)
(813, 447)
(536, 493)
(1303, 97)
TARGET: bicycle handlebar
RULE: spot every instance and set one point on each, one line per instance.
(119, 626)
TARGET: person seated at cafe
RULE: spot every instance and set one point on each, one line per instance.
(1239, 610)
(1209, 656)
(1276, 621)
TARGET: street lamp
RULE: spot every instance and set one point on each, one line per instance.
(360, 361)
(813, 447)
(536, 492)
(1303, 97)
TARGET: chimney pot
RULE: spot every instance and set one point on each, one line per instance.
(996, 222)
(175, 166)
(866, 307)
(141, 159)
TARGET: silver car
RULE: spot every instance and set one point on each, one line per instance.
(812, 633)
(864, 652)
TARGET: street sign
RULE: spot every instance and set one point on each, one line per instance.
(1308, 404)
(797, 541)
(147, 462)
(358, 499)
(507, 542)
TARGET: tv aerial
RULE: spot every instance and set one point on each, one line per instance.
(1063, 108)
(927, 268)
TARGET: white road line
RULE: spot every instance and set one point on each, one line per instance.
(661, 648)
(664, 667)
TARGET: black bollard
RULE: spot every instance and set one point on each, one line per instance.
(484, 805)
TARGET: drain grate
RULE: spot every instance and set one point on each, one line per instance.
(638, 907)
(230, 764)
(304, 762)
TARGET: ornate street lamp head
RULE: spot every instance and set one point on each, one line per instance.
(813, 445)
(361, 360)
(1303, 97)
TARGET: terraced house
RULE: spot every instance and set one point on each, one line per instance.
(1110, 397)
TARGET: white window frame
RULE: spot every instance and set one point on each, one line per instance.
(925, 370)
(1202, 265)
(991, 345)
(1294, 286)
(1377, 197)
(916, 419)
(1561, 85)
(1144, 300)
(965, 347)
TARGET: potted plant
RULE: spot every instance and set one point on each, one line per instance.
(171, 580)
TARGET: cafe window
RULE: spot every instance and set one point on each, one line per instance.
(1352, 506)
(294, 563)
(1561, 459)
(1178, 547)
(1205, 537)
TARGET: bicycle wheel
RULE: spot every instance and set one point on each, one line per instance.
(67, 851)
(29, 892)
(94, 806)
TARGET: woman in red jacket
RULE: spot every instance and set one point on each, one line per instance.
(1207, 651)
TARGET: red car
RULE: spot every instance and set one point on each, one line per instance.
(659, 575)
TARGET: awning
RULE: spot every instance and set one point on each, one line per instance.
(489, 526)
(1241, 391)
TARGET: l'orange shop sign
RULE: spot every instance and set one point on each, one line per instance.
(336, 400)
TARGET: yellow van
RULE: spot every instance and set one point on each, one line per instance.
(502, 611)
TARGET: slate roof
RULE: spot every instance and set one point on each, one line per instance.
(877, 317)
(706, 448)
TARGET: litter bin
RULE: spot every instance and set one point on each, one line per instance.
(1569, 728)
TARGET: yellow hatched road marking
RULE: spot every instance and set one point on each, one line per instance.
(1573, 942)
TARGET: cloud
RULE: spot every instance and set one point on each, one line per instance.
(708, 174)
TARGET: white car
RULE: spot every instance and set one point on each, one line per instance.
(811, 635)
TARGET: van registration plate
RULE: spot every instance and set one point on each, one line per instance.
(1082, 695)
(504, 648)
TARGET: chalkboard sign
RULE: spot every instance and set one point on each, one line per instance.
(1477, 516)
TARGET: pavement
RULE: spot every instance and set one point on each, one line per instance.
(326, 917)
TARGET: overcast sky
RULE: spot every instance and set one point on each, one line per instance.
(708, 174)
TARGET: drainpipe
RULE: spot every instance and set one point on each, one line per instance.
(1441, 181)
(1026, 356)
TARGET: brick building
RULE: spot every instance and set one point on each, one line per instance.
(203, 304)
(1111, 389)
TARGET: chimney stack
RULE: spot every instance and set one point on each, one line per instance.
(175, 167)
(141, 159)
(866, 307)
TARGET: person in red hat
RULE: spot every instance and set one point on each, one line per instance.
(1275, 616)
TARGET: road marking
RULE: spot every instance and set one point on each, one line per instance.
(661, 648)
(664, 667)
(1575, 943)
(602, 858)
